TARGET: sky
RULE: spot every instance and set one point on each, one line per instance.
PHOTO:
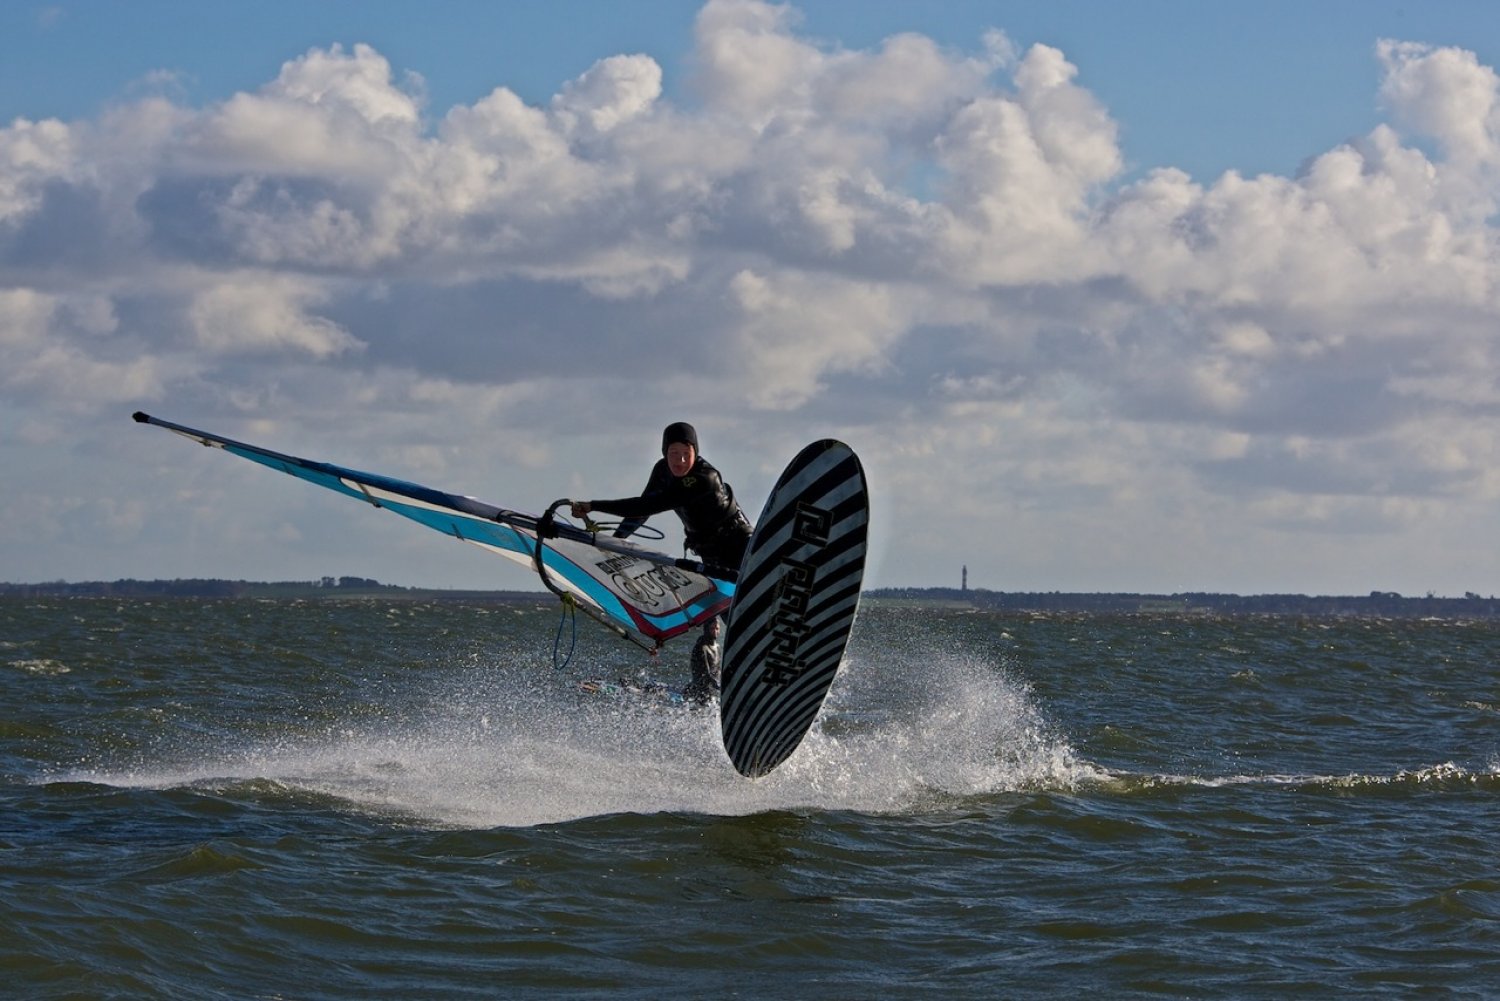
(1159, 297)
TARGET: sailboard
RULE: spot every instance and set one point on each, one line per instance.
(645, 596)
(797, 594)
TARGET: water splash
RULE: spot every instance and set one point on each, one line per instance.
(493, 748)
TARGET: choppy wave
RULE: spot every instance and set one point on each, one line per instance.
(1444, 777)
(411, 802)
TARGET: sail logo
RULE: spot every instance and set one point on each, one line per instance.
(650, 588)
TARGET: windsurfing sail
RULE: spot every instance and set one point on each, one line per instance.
(646, 596)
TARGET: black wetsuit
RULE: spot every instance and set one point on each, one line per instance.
(717, 530)
(705, 683)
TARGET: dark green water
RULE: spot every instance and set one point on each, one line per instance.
(369, 800)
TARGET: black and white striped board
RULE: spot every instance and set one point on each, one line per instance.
(793, 606)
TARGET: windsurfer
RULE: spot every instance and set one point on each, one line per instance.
(682, 480)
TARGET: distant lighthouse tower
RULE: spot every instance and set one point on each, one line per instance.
(966, 577)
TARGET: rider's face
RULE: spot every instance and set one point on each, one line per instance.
(680, 458)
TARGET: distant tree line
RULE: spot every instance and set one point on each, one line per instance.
(194, 587)
(1376, 603)
(181, 588)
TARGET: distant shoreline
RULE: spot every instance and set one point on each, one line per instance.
(1375, 604)
(328, 589)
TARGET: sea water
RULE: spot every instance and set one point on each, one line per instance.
(249, 799)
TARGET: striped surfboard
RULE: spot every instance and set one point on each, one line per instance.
(794, 606)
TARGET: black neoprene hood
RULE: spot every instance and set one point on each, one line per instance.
(681, 431)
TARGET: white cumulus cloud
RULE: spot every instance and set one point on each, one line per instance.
(934, 252)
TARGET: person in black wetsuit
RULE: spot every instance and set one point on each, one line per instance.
(705, 684)
(683, 481)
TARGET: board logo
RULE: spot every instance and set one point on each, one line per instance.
(789, 624)
(811, 524)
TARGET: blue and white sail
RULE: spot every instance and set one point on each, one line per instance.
(646, 596)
